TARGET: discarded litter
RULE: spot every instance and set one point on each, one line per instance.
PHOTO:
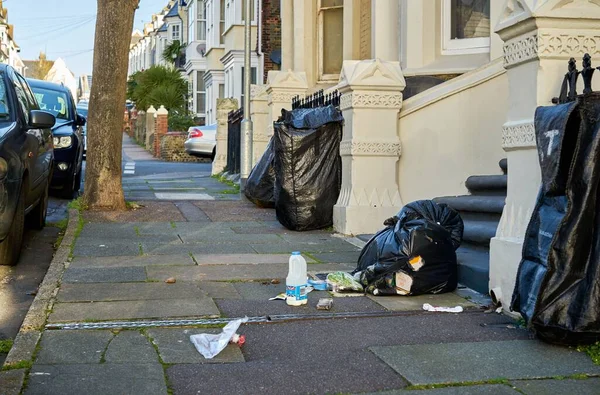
(319, 285)
(171, 280)
(295, 283)
(428, 307)
(343, 282)
(281, 296)
(325, 304)
(210, 345)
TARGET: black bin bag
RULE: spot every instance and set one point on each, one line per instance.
(558, 282)
(308, 171)
(415, 254)
(260, 186)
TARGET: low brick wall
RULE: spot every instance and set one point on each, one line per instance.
(172, 149)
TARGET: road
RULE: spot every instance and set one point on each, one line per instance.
(144, 178)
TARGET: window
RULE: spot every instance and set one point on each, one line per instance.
(222, 22)
(191, 22)
(200, 93)
(221, 91)
(252, 81)
(201, 21)
(176, 32)
(466, 26)
(331, 26)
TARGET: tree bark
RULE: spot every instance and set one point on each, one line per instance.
(114, 24)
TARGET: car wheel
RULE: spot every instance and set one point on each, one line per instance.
(77, 185)
(214, 153)
(10, 248)
(37, 217)
(69, 187)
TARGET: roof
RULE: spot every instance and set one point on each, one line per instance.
(46, 85)
(163, 28)
(174, 11)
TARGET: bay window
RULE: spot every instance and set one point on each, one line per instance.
(465, 26)
(331, 27)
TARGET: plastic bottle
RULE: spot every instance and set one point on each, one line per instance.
(295, 283)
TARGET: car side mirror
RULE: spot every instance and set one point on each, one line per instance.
(41, 119)
(80, 120)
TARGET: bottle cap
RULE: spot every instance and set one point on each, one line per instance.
(296, 253)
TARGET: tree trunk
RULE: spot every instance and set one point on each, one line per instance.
(114, 24)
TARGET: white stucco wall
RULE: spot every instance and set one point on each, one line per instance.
(451, 132)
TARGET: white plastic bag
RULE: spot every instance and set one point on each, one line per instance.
(457, 309)
(210, 345)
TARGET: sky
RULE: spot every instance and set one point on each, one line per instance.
(64, 28)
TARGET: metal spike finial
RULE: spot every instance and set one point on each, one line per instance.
(587, 73)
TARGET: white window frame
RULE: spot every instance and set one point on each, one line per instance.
(198, 91)
(201, 6)
(191, 19)
(461, 46)
(323, 77)
(178, 26)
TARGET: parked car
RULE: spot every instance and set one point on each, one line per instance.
(82, 110)
(26, 162)
(202, 141)
(67, 135)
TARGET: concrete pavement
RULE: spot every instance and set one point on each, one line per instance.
(228, 258)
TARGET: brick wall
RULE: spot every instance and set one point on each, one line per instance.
(162, 127)
(271, 32)
(172, 149)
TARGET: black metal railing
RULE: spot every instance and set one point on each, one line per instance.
(317, 99)
(568, 90)
(234, 141)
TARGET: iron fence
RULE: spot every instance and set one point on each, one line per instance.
(317, 99)
(234, 141)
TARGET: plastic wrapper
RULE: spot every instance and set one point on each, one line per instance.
(415, 254)
(260, 186)
(557, 290)
(210, 345)
(343, 282)
(307, 167)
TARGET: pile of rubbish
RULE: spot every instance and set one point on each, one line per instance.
(300, 173)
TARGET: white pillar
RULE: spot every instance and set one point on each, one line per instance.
(150, 125)
(370, 149)
(224, 106)
(259, 110)
(539, 38)
(283, 87)
(385, 34)
(287, 34)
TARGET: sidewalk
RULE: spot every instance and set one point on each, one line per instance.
(228, 258)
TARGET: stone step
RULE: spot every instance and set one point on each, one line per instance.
(504, 165)
(479, 231)
(474, 203)
(474, 267)
(487, 184)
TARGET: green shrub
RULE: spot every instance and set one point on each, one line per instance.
(180, 123)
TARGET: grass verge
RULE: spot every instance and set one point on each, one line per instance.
(5, 346)
(593, 351)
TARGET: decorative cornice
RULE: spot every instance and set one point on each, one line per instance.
(258, 92)
(370, 100)
(370, 148)
(549, 45)
(372, 197)
(518, 135)
(284, 97)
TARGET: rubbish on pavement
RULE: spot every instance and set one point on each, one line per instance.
(557, 289)
(281, 296)
(428, 307)
(343, 282)
(260, 186)
(308, 171)
(210, 345)
(319, 285)
(325, 304)
(171, 280)
(295, 283)
(415, 254)
(275, 281)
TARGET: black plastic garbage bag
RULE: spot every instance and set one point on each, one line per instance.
(260, 186)
(558, 282)
(307, 167)
(415, 254)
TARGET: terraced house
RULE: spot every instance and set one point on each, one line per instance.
(9, 49)
(438, 98)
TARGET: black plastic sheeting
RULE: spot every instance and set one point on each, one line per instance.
(308, 171)
(415, 254)
(260, 186)
(558, 282)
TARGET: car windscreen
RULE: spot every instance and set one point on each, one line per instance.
(54, 102)
(4, 108)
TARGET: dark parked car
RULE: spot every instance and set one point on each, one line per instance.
(67, 134)
(82, 110)
(26, 160)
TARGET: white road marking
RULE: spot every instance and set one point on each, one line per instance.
(183, 196)
(129, 168)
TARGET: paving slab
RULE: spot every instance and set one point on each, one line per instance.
(221, 290)
(136, 309)
(183, 196)
(229, 259)
(191, 212)
(590, 386)
(410, 303)
(130, 347)
(437, 363)
(228, 237)
(131, 261)
(104, 292)
(11, 380)
(100, 249)
(104, 275)
(230, 272)
(490, 389)
(97, 379)
(174, 346)
(73, 347)
(334, 246)
(204, 248)
(338, 257)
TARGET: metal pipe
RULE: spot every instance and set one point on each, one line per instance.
(246, 131)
